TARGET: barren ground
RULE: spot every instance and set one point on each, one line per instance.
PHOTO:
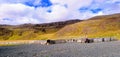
(104, 49)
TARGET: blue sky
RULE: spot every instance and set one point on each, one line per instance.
(43, 11)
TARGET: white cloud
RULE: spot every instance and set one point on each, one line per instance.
(18, 13)
(72, 10)
(14, 9)
(58, 13)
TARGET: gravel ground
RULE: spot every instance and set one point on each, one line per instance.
(104, 49)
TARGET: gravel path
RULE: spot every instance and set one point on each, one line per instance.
(106, 49)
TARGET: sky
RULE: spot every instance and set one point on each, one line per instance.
(16, 12)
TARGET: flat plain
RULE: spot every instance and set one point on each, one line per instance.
(103, 49)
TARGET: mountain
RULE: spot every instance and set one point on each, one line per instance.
(32, 31)
(96, 27)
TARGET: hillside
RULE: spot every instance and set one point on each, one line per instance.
(32, 31)
(96, 27)
(99, 26)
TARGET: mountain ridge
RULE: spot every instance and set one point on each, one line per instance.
(31, 31)
(95, 27)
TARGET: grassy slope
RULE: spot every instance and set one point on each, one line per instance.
(100, 26)
(32, 31)
(25, 34)
(107, 26)
(30, 35)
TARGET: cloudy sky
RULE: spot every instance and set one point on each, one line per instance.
(43, 11)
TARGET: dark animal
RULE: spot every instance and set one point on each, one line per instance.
(50, 41)
(89, 40)
(55, 41)
(103, 40)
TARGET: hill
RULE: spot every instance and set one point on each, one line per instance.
(32, 31)
(96, 27)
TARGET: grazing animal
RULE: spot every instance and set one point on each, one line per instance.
(103, 40)
(55, 41)
(50, 42)
(89, 40)
(84, 40)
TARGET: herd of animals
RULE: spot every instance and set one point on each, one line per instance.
(84, 40)
(49, 42)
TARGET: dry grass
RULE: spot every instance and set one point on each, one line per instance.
(101, 26)
(107, 27)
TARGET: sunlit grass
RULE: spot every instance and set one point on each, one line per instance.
(92, 29)
(9, 44)
(95, 28)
